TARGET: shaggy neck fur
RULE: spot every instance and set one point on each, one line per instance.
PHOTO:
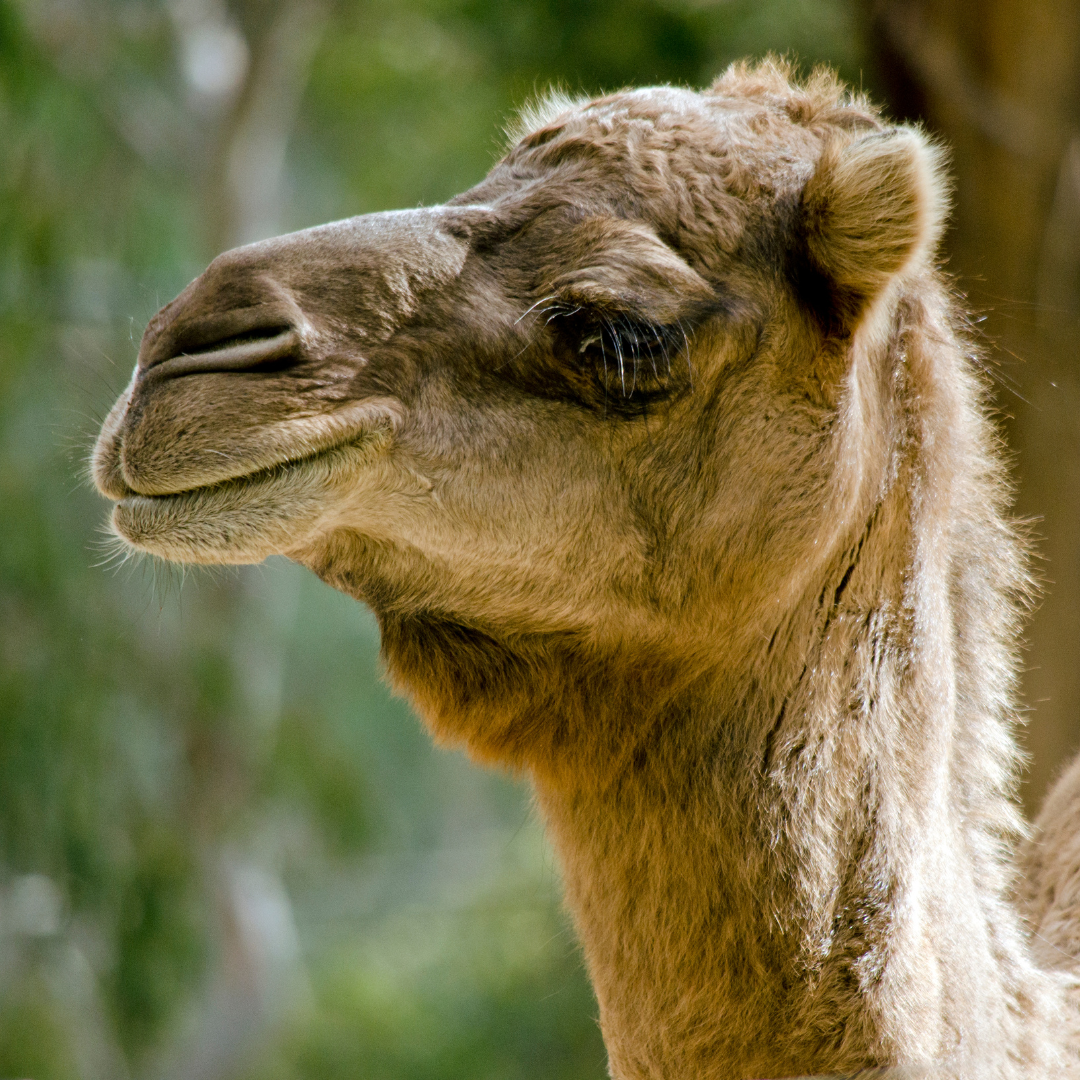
(762, 853)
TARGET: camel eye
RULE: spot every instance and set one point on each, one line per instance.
(633, 360)
(614, 362)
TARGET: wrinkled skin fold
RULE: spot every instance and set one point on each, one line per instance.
(661, 461)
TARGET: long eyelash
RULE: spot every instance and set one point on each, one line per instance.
(629, 339)
(635, 354)
(633, 340)
(618, 353)
(528, 311)
(663, 352)
(557, 312)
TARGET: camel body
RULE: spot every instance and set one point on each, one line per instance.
(664, 462)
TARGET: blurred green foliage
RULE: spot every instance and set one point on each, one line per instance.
(225, 850)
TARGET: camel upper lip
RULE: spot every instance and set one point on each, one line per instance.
(312, 438)
(251, 350)
(267, 472)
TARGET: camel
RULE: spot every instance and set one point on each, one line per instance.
(664, 460)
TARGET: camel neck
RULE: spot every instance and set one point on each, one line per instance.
(768, 888)
(694, 936)
(766, 863)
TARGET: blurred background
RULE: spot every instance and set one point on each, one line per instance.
(226, 852)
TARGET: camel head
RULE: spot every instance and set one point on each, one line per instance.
(620, 398)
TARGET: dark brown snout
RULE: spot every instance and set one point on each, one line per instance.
(255, 361)
(237, 316)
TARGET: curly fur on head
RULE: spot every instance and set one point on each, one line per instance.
(540, 112)
(661, 459)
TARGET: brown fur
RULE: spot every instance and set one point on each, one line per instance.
(661, 459)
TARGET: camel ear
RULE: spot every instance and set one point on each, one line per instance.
(874, 208)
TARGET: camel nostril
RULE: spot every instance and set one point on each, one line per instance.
(256, 333)
(264, 349)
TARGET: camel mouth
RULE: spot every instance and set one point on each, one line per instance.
(256, 476)
(243, 519)
(164, 467)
